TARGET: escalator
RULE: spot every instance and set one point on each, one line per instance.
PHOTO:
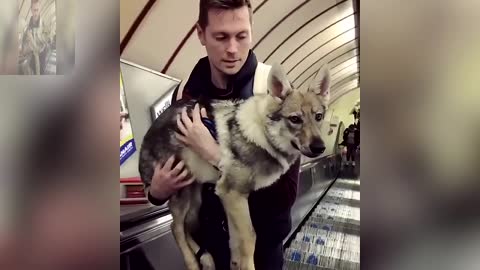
(330, 237)
(51, 63)
(146, 241)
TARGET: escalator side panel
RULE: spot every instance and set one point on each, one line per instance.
(160, 253)
(313, 184)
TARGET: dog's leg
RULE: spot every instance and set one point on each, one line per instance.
(191, 223)
(242, 234)
(206, 260)
(179, 205)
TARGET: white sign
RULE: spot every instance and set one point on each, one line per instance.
(162, 103)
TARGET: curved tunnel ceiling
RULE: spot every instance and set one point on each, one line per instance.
(302, 35)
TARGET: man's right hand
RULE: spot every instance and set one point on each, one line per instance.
(167, 181)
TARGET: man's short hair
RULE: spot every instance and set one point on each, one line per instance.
(206, 5)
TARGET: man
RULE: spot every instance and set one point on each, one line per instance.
(351, 140)
(224, 29)
(35, 44)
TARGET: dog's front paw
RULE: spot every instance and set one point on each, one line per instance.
(207, 261)
(234, 264)
(235, 258)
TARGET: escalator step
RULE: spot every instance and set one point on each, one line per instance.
(330, 238)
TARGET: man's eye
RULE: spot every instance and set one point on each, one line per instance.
(295, 119)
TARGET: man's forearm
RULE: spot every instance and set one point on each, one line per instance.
(214, 157)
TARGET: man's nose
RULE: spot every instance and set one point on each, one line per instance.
(232, 46)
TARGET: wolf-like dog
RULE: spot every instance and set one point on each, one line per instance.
(259, 138)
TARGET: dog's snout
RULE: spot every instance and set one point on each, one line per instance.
(317, 146)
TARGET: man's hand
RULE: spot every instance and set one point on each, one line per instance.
(166, 181)
(196, 136)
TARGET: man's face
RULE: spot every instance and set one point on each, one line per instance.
(227, 38)
(35, 8)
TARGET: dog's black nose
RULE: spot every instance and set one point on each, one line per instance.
(317, 146)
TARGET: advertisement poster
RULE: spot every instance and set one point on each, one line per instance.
(127, 143)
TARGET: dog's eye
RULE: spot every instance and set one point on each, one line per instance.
(295, 119)
(318, 116)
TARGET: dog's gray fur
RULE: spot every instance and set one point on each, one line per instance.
(259, 141)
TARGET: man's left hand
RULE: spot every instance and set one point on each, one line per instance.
(195, 135)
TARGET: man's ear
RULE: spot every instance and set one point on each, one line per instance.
(321, 83)
(278, 84)
(200, 34)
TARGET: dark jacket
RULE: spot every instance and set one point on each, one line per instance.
(356, 137)
(269, 207)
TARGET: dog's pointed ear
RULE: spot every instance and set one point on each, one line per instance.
(278, 84)
(321, 83)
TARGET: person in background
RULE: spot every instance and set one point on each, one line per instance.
(225, 30)
(35, 43)
(351, 139)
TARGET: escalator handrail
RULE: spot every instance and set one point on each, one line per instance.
(315, 161)
(127, 223)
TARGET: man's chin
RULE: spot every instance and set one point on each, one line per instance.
(230, 70)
